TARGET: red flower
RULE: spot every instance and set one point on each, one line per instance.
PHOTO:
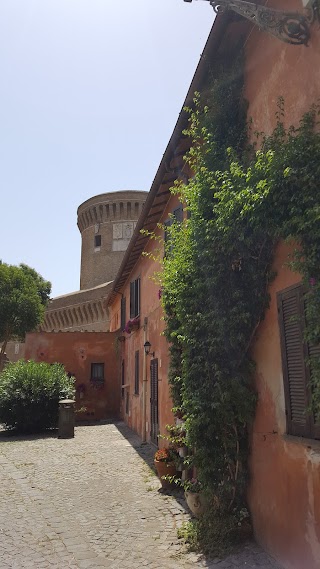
(165, 455)
(134, 322)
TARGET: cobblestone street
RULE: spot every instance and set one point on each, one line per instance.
(92, 502)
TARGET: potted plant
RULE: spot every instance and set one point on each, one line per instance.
(193, 492)
(164, 462)
(177, 438)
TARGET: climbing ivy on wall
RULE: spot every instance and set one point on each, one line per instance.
(217, 269)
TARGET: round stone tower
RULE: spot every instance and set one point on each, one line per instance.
(106, 223)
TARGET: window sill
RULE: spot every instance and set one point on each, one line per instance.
(312, 444)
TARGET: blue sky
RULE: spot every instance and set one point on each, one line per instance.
(91, 91)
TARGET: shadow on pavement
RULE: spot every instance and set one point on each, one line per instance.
(247, 554)
(13, 436)
(146, 452)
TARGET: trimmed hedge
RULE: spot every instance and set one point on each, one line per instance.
(30, 394)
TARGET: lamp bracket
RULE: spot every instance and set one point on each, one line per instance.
(147, 347)
(289, 27)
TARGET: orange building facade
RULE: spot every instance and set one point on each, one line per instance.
(91, 357)
(145, 394)
(284, 491)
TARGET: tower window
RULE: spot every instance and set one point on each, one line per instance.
(97, 240)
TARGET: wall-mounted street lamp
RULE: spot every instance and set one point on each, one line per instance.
(290, 27)
(147, 347)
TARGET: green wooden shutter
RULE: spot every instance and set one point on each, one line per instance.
(123, 313)
(132, 299)
(137, 297)
(291, 322)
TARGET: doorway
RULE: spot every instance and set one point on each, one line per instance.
(154, 401)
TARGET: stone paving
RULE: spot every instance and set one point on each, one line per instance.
(92, 502)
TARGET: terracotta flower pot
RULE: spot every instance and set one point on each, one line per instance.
(165, 469)
(196, 502)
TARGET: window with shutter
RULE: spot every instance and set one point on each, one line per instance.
(178, 214)
(123, 313)
(135, 298)
(296, 371)
(154, 406)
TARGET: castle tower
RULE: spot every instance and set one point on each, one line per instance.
(106, 223)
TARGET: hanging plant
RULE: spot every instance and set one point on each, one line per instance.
(132, 325)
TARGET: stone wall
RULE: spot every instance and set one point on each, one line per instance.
(83, 311)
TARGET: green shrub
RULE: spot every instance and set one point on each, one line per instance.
(215, 533)
(30, 394)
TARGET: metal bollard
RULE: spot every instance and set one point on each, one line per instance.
(66, 419)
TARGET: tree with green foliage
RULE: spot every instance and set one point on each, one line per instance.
(30, 394)
(23, 298)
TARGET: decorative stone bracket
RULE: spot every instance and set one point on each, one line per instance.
(289, 27)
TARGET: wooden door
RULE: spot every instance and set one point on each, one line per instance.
(154, 410)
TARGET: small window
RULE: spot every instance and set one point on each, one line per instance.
(178, 214)
(97, 372)
(135, 298)
(97, 240)
(127, 403)
(136, 373)
(176, 217)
